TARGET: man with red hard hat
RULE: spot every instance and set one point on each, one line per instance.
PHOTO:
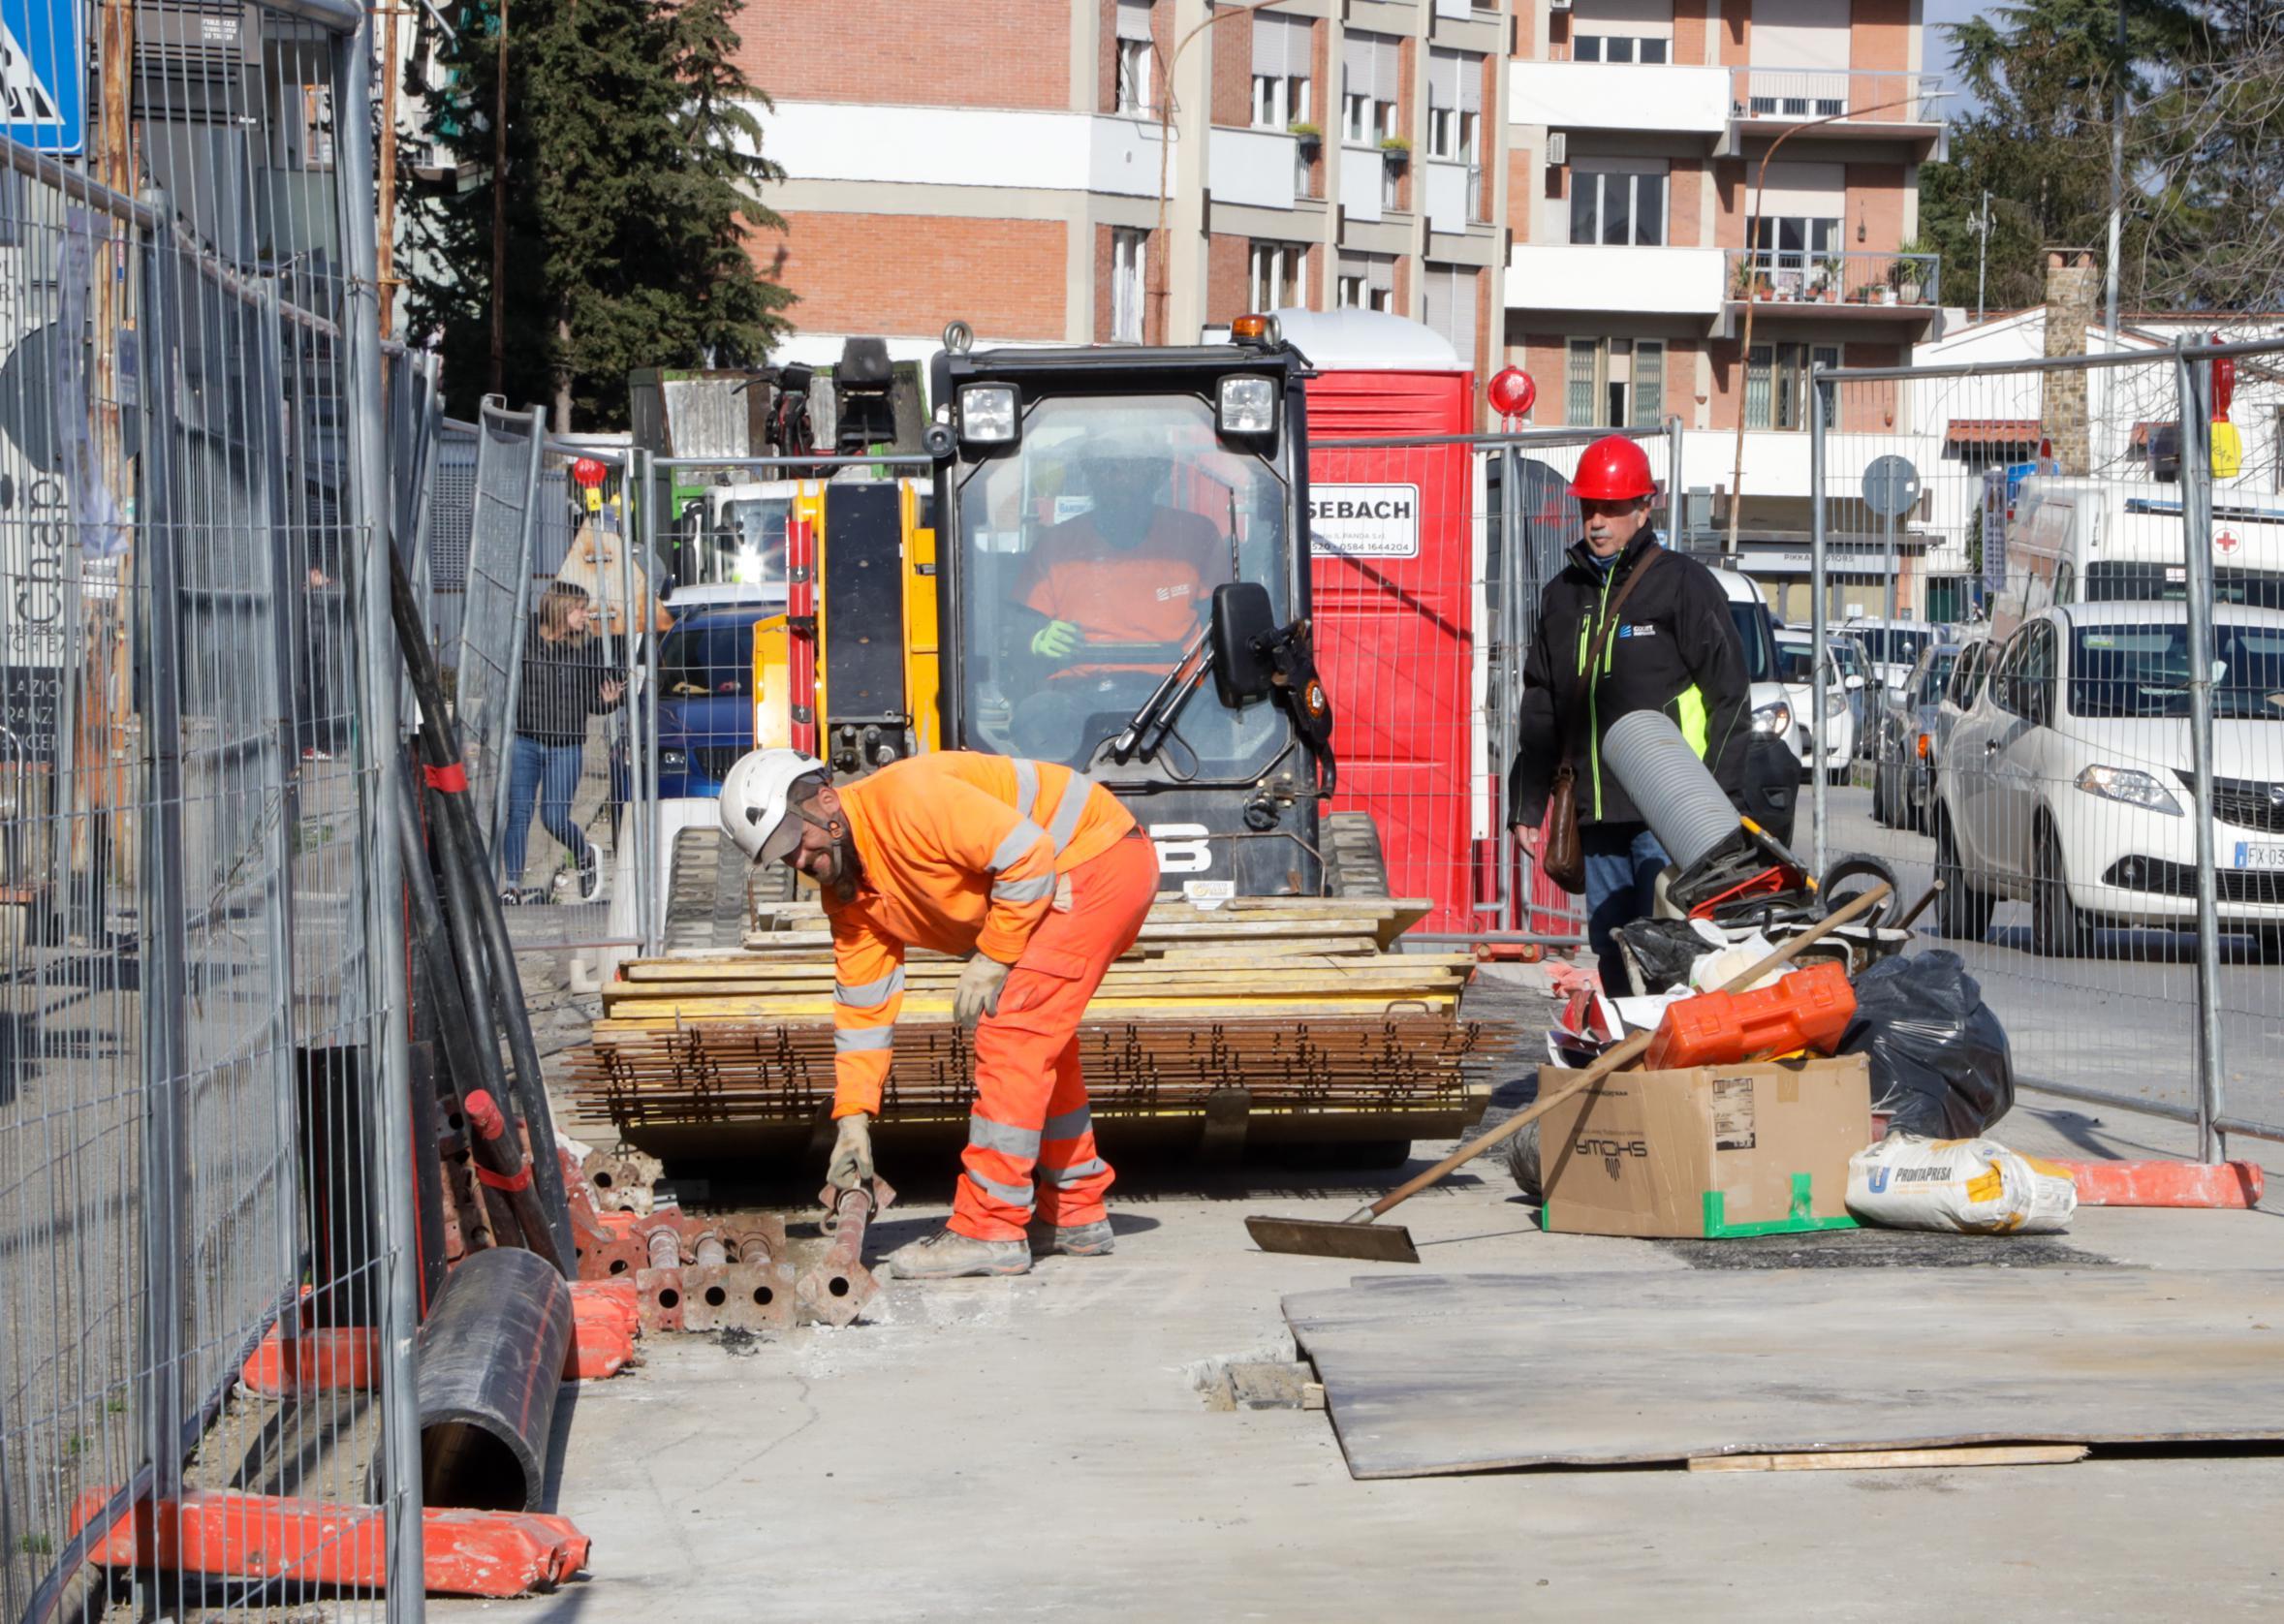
(1667, 642)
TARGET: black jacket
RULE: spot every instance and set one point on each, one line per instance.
(561, 687)
(1675, 650)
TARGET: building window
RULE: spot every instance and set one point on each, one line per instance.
(1776, 385)
(1798, 254)
(1366, 121)
(1617, 207)
(1616, 383)
(1273, 282)
(1130, 274)
(1134, 76)
(1617, 48)
(1279, 102)
(1371, 81)
(1365, 282)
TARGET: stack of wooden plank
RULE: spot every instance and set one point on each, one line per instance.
(1296, 1002)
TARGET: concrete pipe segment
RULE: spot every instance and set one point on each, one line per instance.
(492, 1358)
(1678, 794)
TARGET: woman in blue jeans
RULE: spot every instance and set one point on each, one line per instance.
(565, 681)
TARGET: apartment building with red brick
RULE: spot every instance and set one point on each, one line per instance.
(1133, 171)
(1674, 167)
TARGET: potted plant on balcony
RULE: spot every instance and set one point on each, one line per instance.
(1908, 274)
(1832, 276)
(1398, 151)
(1310, 139)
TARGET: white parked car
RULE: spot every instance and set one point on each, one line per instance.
(2066, 784)
(1796, 670)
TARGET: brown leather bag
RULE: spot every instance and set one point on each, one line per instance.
(1563, 857)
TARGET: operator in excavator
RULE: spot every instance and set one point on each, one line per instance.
(1034, 875)
(1126, 584)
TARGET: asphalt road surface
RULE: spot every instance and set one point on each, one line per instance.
(2119, 1020)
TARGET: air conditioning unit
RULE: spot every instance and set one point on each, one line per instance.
(1557, 149)
(1558, 4)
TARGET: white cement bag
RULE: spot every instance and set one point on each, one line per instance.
(1964, 1186)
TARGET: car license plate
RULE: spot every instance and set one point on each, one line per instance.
(2269, 857)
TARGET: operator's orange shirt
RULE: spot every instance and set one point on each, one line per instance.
(960, 854)
(1155, 591)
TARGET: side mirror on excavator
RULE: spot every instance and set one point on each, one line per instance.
(1243, 621)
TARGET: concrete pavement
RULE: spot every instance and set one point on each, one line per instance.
(1038, 1448)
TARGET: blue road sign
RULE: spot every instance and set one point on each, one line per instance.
(43, 74)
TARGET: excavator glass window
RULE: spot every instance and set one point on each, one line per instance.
(1091, 554)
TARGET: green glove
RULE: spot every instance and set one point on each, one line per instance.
(1057, 639)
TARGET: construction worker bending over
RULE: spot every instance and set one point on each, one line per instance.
(1039, 879)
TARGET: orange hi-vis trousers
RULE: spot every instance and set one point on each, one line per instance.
(1030, 1117)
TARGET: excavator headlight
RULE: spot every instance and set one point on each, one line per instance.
(987, 415)
(1248, 406)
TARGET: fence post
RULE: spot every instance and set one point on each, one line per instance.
(650, 926)
(1822, 392)
(379, 751)
(1674, 499)
(2194, 385)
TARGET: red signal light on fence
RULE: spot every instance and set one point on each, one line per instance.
(588, 474)
(1512, 391)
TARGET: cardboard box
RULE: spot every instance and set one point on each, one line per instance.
(1711, 1151)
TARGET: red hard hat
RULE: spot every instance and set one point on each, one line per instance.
(1612, 469)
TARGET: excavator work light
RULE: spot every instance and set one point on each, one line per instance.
(1248, 406)
(988, 414)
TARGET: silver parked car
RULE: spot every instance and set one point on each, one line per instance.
(1911, 736)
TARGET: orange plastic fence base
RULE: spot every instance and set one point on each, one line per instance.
(314, 1360)
(605, 1317)
(2221, 1184)
(491, 1555)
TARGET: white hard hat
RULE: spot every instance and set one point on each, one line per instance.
(756, 804)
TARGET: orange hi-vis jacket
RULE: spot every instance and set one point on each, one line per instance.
(961, 852)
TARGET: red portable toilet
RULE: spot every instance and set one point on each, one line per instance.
(1395, 573)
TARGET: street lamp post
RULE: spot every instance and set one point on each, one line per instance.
(1752, 231)
(1165, 149)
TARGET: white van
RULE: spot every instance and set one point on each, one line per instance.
(1774, 713)
(2085, 541)
(1780, 740)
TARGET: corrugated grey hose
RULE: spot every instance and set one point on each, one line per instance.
(1678, 794)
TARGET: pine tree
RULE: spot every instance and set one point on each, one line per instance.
(632, 173)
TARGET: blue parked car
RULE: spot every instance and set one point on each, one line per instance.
(705, 717)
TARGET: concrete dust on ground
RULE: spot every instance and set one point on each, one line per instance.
(1039, 1446)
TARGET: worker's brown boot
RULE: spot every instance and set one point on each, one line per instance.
(948, 1255)
(1074, 1241)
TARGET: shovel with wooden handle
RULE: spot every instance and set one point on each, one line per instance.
(1356, 1235)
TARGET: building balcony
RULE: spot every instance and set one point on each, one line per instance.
(1860, 105)
(1643, 281)
(1260, 169)
(1655, 97)
(1857, 287)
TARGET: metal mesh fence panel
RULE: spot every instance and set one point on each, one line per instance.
(496, 602)
(448, 509)
(1428, 562)
(193, 948)
(572, 759)
(2009, 558)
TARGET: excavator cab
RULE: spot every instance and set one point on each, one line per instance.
(1122, 583)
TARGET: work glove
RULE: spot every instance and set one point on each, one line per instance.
(851, 1167)
(1057, 639)
(977, 992)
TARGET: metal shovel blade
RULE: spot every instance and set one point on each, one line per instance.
(1320, 1237)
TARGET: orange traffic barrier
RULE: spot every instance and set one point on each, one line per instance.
(2215, 1184)
(495, 1554)
(313, 1361)
(1807, 1008)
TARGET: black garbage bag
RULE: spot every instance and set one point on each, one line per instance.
(1939, 1057)
(1658, 955)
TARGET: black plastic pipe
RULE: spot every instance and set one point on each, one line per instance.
(492, 1359)
(463, 855)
